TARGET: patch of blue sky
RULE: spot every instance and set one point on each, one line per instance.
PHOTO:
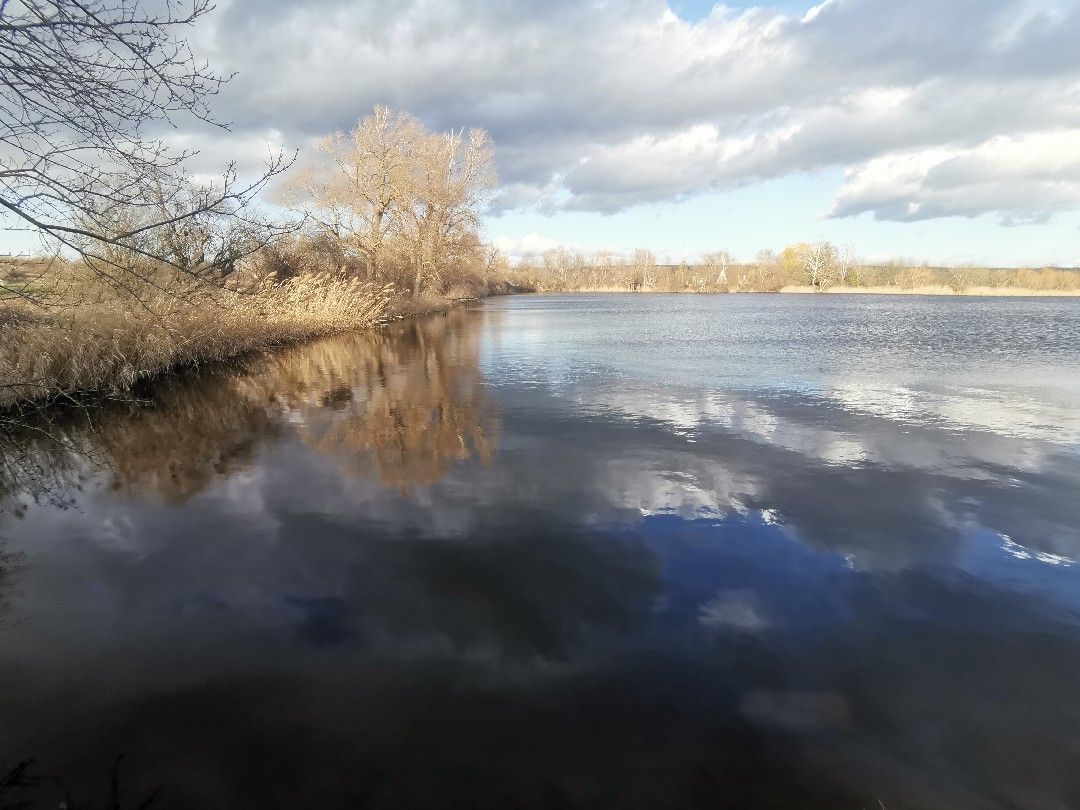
(695, 10)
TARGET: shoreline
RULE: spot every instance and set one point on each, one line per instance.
(938, 291)
(404, 310)
(396, 311)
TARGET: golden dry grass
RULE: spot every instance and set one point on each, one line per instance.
(92, 337)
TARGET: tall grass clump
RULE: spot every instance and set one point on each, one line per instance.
(92, 335)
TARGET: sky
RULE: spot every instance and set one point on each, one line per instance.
(943, 131)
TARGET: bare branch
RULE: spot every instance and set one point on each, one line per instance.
(81, 83)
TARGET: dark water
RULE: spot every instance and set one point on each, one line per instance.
(603, 551)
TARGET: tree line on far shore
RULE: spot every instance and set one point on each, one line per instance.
(818, 266)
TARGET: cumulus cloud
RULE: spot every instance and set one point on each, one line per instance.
(734, 610)
(1024, 178)
(531, 244)
(601, 105)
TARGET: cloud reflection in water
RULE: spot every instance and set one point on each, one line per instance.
(445, 561)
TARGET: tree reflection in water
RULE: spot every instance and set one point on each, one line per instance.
(404, 404)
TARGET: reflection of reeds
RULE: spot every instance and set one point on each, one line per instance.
(14, 786)
(405, 403)
(11, 563)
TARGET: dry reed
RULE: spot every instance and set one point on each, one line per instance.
(93, 337)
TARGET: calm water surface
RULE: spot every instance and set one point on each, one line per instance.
(568, 551)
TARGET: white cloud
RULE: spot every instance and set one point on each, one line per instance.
(601, 106)
(530, 244)
(734, 611)
(250, 151)
(1023, 178)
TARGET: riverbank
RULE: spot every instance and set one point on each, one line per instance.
(1002, 292)
(100, 341)
(105, 342)
(995, 292)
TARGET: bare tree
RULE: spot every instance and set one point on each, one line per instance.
(964, 276)
(358, 183)
(846, 266)
(643, 267)
(453, 176)
(397, 193)
(819, 260)
(716, 265)
(82, 85)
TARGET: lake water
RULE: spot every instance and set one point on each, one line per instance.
(568, 551)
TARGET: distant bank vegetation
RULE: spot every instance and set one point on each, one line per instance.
(805, 267)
